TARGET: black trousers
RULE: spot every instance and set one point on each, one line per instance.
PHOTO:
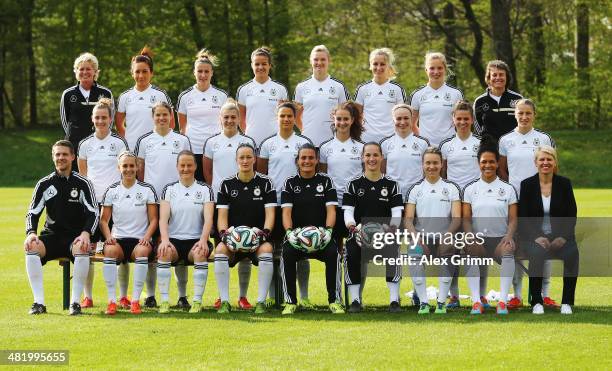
(537, 255)
(355, 255)
(329, 256)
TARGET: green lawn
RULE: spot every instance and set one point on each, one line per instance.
(371, 340)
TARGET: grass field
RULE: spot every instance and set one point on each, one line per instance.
(371, 340)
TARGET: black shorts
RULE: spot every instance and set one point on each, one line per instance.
(183, 247)
(214, 232)
(340, 230)
(199, 173)
(490, 244)
(127, 246)
(57, 245)
(97, 236)
(239, 256)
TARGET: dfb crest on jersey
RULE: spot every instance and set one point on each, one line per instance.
(273, 148)
(320, 188)
(475, 147)
(152, 98)
(176, 144)
(332, 90)
(190, 102)
(513, 103)
(139, 196)
(113, 147)
(74, 193)
(257, 192)
(73, 98)
(384, 192)
(415, 146)
(502, 192)
(198, 195)
(391, 93)
(447, 96)
(215, 99)
(297, 189)
(297, 147)
(273, 92)
(423, 98)
(149, 146)
(536, 141)
(329, 151)
(215, 146)
(354, 150)
(419, 193)
(485, 107)
(234, 193)
(445, 191)
(360, 192)
(116, 197)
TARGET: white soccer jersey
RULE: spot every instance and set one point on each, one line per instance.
(101, 156)
(281, 154)
(519, 150)
(202, 110)
(404, 159)
(377, 101)
(319, 99)
(490, 202)
(435, 108)
(222, 151)
(159, 154)
(261, 101)
(433, 201)
(461, 159)
(186, 209)
(137, 107)
(130, 218)
(343, 161)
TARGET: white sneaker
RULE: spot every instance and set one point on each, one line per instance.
(538, 309)
(566, 309)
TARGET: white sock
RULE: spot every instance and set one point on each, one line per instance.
(109, 271)
(454, 286)
(79, 276)
(222, 276)
(546, 273)
(181, 274)
(354, 293)
(123, 271)
(89, 281)
(244, 276)
(141, 267)
(35, 275)
(417, 272)
(151, 278)
(473, 278)
(484, 275)
(444, 281)
(507, 272)
(200, 275)
(303, 273)
(163, 279)
(517, 281)
(272, 289)
(264, 275)
(394, 288)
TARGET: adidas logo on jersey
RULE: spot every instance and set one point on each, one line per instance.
(229, 145)
(464, 149)
(101, 147)
(489, 191)
(320, 89)
(203, 99)
(433, 191)
(524, 142)
(342, 150)
(187, 194)
(262, 91)
(128, 196)
(404, 146)
(286, 146)
(380, 93)
(141, 98)
(163, 143)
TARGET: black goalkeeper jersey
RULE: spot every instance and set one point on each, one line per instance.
(308, 199)
(372, 199)
(246, 201)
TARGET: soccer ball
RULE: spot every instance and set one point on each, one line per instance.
(310, 239)
(242, 239)
(367, 232)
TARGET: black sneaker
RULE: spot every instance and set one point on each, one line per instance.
(355, 307)
(150, 302)
(37, 309)
(183, 303)
(395, 307)
(75, 309)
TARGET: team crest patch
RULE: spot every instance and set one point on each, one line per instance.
(485, 107)
(329, 151)
(273, 92)
(215, 99)
(198, 195)
(384, 192)
(360, 192)
(257, 192)
(112, 147)
(73, 98)
(234, 193)
(415, 146)
(536, 141)
(273, 148)
(190, 102)
(297, 189)
(447, 96)
(215, 146)
(320, 188)
(74, 193)
(176, 144)
(139, 196)
(475, 148)
(152, 99)
(419, 193)
(354, 150)
(502, 192)
(513, 103)
(332, 90)
(391, 93)
(445, 191)
(297, 147)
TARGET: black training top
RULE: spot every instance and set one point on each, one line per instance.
(493, 118)
(372, 199)
(308, 199)
(76, 110)
(246, 201)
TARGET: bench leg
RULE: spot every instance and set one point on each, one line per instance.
(66, 285)
(277, 284)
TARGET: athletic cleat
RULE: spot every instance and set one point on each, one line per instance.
(355, 307)
(453, 303)
(124, 302)
(270, 302)
(196, 307)
(111, 309)
(225, 308)
(135, 307)
(538, 309)
(150, 302)
(550, 303)
(289, 309)
(183, 303)
(243, 303)
(75, 309)
(515, 303)
(485, 303)
(217, 304)
(164, 307)
(424, 308)
(395, 307)
(441, 308)
(86, 303)
(477, 308)
(37, 309)
(501, 308)
(416, 302)
(566, 309)
(336, 308)
(306, 304)
(260, 308)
